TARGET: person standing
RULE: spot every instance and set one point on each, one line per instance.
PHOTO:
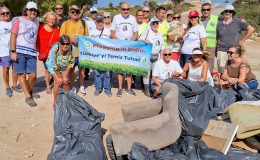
(210, 23)
(23, 50)
(169, 16)
(163, 24)
(147, 17)
(195, 35)
(59, 11)
(155, 38)
(101, 32)
(5, 28)
(107, 20)
(124, 27)
(140, 22)
(75, 27)
(228, 33)
(48, 35)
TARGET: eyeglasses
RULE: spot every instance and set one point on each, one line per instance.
(67, 44)
(58, 8)
(73, 12)
(176, 17)
(155, 23)
(5, 13)
(208, 9)
(193, 17)
(146, 11)
(125, 9)
(32, 10)
(93, 12)
(107, 17)
(169, 54)
(229, 11)
(230, 52)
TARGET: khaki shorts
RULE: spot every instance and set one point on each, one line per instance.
(222, 58)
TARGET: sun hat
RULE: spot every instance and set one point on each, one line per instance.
(75, 7)
(197, 52)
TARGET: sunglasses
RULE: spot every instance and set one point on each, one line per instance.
(73, 12)
(5, 13)
(229, 11)
(93, 12)
(58, 8)
(107, 17)
(125, 9)
(169, 15)
(206, 9)
(67, 44)
(230, 52)
(176, 17)
(155, 23)
(32, 10)
(193, 17)
(169, 54)
(146, 11)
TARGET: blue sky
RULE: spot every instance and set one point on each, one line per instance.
(104, 3)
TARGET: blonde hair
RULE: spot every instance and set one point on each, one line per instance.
(46, 15)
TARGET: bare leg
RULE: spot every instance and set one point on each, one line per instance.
(129, 81)
(31, 81)
(6, 76)
(47, 81)
(81, 76)
(23, 84)
(120, 80)
(14, 76)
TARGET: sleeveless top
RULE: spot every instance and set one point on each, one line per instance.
(194, 74)
(234, 72)
(27, 36)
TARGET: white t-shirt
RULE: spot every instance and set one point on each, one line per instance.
(96, 33)
(164, 71)
(192, 39)
(155, 38)
(90, 22)
(124, 27)
(5, 28)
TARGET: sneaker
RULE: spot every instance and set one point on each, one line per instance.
(30, 102)
(96, 93)
(17, 89)
(108, 93)
(131, 92)
(9, 92)
(35, 95)
(119, 93)
(82, 90)
(74, 89)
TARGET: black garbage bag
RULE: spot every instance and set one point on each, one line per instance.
(77, 129)
(241, 154)
(141, 152)
(246, 94)
(198, 103)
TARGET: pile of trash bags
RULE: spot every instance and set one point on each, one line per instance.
(77, 127)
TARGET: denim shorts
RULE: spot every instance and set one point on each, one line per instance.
(25, 64)
(5, 61)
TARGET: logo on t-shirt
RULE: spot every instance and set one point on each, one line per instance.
(124, 28)
(212, 24)
(88, 44)
(157, 43)
(168, 75)
(30, 35)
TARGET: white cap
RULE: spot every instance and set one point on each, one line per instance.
(229, 7)
(154, 20)
(30, 5)
(93, 9)
(197, 52)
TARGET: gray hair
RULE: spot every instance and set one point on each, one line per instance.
(167, 50)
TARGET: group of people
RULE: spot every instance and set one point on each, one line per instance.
(178, 50)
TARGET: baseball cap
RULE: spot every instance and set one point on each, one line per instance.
(169, 12)
(197, 52)
(154, 20)
(75, 7)
(30, 5)
(193, 13)
(93, 9)
(99, 18)
(229, 7)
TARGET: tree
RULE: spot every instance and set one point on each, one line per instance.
(176, 2)
(110, 4)
(152, 4)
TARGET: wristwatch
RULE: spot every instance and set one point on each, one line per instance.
(13, 51)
